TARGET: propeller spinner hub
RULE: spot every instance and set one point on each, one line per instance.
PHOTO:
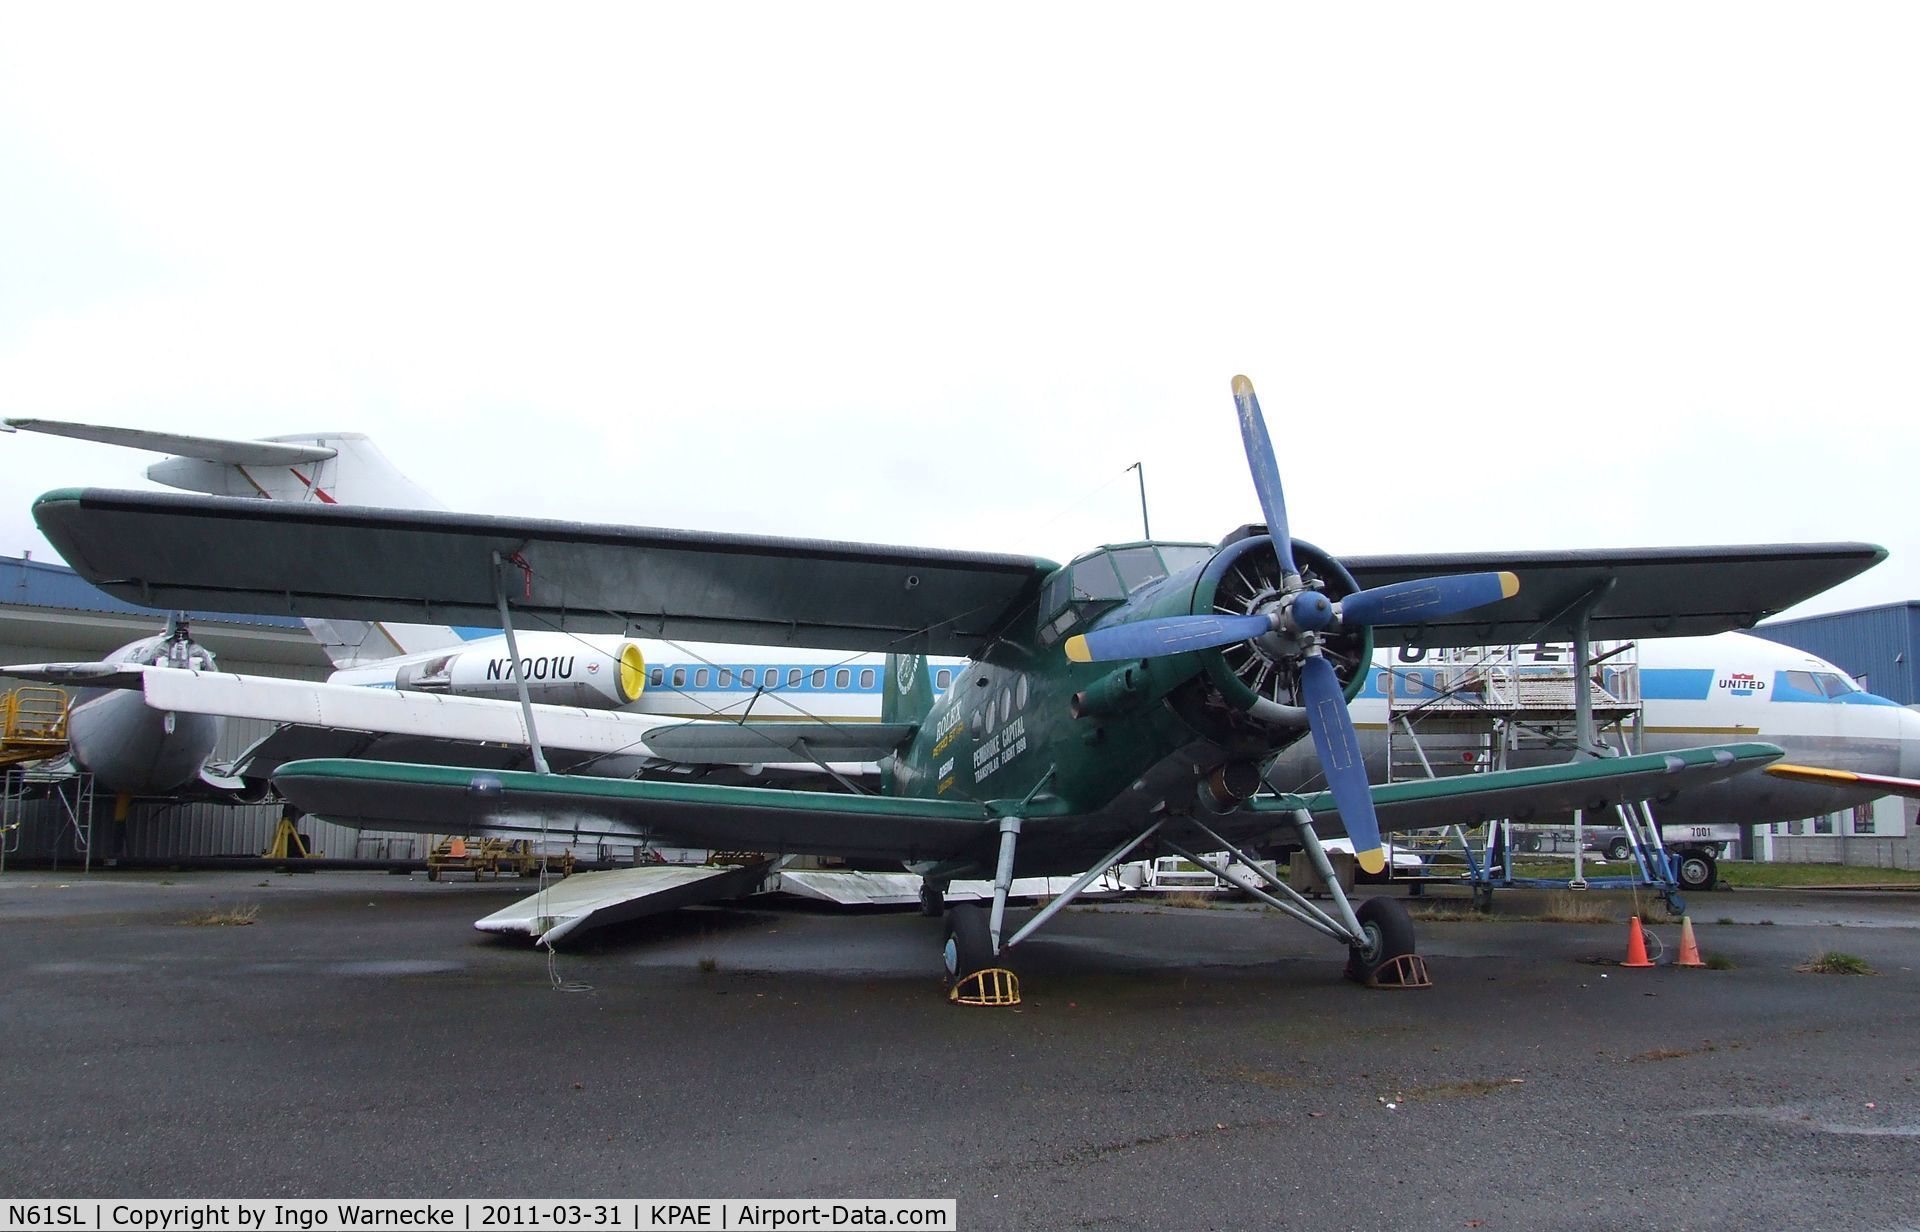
(1311, 611)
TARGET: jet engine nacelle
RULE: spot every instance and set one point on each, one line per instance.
(560, 671)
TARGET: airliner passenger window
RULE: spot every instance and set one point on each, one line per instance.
(726, 678)
(679, 677)
(820, 679)
(746, 677)
(700, 678)
(793, 677)
(943, 678)
(866, 678)
(842, 678)
(659, 673)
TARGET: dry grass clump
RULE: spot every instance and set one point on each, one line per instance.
(1188, 898)
(1833, 962)
(1567, 907)
(224, 917)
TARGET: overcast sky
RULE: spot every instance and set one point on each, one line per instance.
(1505, 275)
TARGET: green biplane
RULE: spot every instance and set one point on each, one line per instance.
(1123, 705)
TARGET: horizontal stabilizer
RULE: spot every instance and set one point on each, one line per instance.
(1908, 788)
(741, 744)
(1539, 792)
(206, 448)
(80, 675)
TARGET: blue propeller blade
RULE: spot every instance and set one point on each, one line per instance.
(1339, 748)
(1266, 470)
(1146, 639)
(1424, 598)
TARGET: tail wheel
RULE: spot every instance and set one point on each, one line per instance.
(1389, 933)
(969, 944)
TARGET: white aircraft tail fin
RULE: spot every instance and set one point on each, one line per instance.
(333, 468)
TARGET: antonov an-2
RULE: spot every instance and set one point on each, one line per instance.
(1124, 704)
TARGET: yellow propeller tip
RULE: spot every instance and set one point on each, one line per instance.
(1373, 860)
(1077, 649)
(1242, 387)
(1509, 585)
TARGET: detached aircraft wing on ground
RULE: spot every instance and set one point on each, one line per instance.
(1126, 702)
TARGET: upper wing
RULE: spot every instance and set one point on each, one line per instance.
(387, 796)
(174, 550)
(1639, 592)
(1539, 792)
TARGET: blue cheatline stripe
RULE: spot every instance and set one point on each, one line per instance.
(806, 684)
(1675, 683)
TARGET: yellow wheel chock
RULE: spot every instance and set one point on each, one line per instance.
(991, 986)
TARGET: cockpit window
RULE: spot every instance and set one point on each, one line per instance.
(1819, 684)
(1094, 578)
(1138, 567)
(1184, 555)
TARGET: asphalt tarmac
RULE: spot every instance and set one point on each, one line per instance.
(1170, 1068)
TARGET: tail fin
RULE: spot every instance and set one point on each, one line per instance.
(906, 690)
(331, 468)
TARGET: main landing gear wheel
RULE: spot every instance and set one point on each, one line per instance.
(1696, 871)
(969, 945)
(933, 899)
(1389, 933)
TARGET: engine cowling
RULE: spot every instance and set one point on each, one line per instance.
(559, 672)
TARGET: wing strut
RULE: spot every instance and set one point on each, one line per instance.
(513, 651)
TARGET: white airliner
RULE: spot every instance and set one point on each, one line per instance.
(619, 705)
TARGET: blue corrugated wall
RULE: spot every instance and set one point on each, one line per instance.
(1874, 645)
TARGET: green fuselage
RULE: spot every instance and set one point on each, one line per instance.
(1147, 732)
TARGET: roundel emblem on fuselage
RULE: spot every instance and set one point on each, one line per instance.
(909, 670)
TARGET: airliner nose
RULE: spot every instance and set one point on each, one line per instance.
(1909, 743)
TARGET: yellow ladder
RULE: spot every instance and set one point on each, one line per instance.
(33, 723)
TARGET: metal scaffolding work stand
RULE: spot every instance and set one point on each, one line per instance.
(1469, 710)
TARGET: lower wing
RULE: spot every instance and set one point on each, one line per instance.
(445, 799)
(1539, 792)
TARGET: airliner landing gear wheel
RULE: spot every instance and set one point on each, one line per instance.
(1389, 932)
(969, 946)
(1696, 870)
(933, 899)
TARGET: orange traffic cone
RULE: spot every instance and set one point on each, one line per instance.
(1689, 948)
(1636, 946)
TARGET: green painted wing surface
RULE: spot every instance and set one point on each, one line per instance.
(448, 800)
(1541, 792)
(172, 550)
